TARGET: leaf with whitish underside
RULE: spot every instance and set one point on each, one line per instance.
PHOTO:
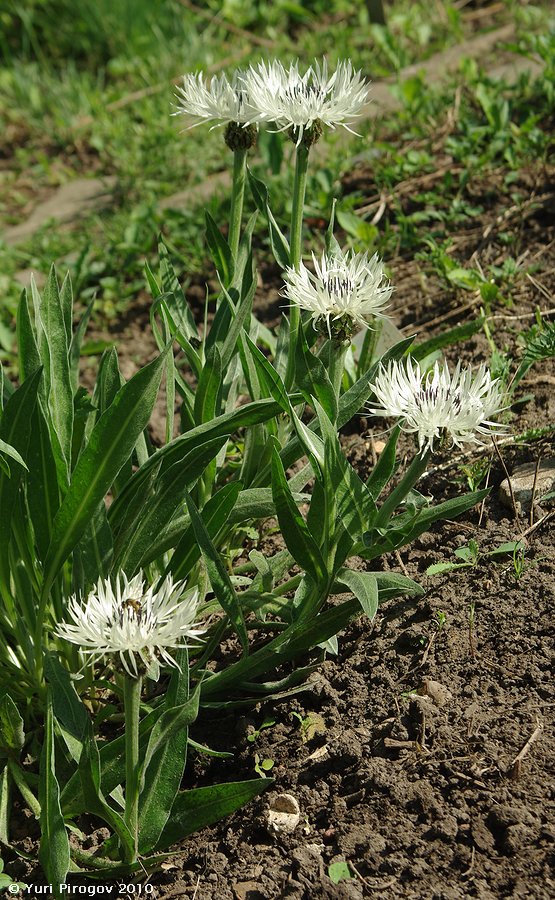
(110, 445)
(365, 588)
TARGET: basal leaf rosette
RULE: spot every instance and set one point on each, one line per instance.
(343, 291)
(439, 407)
(132, 621)
(304, 103)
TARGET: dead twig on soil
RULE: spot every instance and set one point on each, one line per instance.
(471, 866)
(537, 524)
(534, 486)
(516, 765)
(509, 482)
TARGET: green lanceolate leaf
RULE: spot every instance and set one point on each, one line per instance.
(220, 251)
(217, 573)
(194, 809)
(268, 375)
(8, 450)
(54, 853)
(453, 336)
(169, 493)
(110, 446)
(296, 535)
(164, 764)
(215, 514)
(12, 734)
(405, 527)
(391, 584)
(312, 378)
(43, 493)
(55, 358)
(365, 588)
(29, 359)
(15, 430)
(385, 466)
(76, 342)
(66, 705)
(226, 424)
(278, 241)
(209, 388)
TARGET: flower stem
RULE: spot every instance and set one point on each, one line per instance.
(409, 479)
(132, 705)
(237, 196)
(335, 363)
(299, 191)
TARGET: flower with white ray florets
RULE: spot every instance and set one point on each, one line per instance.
(131, 619)
(343, 291)
(221, 101)
(304, 103)
(437, 405)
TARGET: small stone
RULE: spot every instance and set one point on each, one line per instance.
(436, 691)
(284, 813)
(522, 483)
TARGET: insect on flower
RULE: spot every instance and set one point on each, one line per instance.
(131, 619)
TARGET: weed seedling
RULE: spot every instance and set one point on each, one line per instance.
(262, 766)
(267, 723)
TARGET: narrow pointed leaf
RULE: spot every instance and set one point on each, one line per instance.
(194, 809)
(298, 539)
(217, 573)
(54, 852)
(110, 446)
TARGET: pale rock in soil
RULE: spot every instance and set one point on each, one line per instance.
(283, 814)
(522, 482)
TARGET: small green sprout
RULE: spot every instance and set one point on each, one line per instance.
(262, 766)
(312, 725)
(267, 723)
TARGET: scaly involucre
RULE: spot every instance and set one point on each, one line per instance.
(219, 100)
(291, 100)
(437, 405)
(350, 286)
(129, 619)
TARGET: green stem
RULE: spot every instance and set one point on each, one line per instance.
(409, 479)
(299, 191)
(132, 706)
(335, 361)
(237, 196)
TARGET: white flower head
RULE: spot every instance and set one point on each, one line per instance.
(220, 100)
(436, 405)
(296, 101)
(130, 619)
(346, 289)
